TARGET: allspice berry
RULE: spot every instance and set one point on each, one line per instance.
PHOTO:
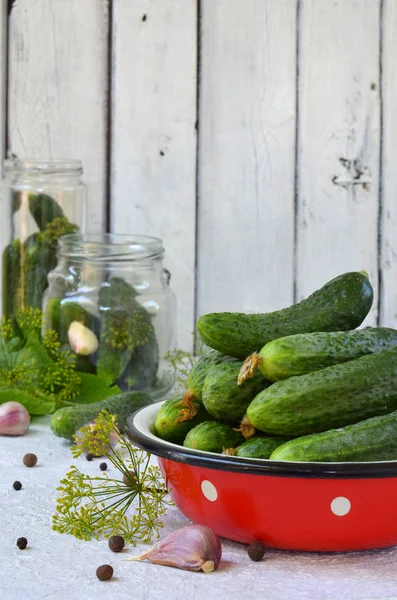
(104, 572)
(22, 542)
(29, 460)
(256, 551)
(130, 478)
(116, 543)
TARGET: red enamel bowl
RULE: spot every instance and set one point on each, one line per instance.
(288, 505)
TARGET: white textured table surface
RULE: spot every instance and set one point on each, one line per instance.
(56, 566)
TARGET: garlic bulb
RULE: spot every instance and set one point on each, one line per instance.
(192, 548)
(81, 339)
(14, 419)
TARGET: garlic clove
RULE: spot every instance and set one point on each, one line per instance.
(81, 339)
(14, 419)
(191, 548)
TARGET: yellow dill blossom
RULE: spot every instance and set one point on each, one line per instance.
(104, 506)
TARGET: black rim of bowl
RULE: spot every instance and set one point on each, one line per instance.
(253, 466)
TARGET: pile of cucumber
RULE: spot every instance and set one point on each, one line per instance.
(299, 384)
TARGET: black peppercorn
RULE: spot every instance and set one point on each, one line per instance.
(89, 456)
(104, 572)
(103, 466)
(29, 460)
(17, 485)
(22, 543)
(116, 543)
(256, 551)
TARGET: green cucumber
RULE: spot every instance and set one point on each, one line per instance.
(212, 436)
(141, 370)
(44, 209)
(341, 304)
(38, 260)
(52, 312)
(12, 297)
(66, 421)
(369, 440)
(332, 397)
(125, 325)
(260, 446)
(306, 352)
(223, 398)
(176, 417)
(199, 372)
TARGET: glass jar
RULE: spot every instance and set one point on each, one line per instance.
(110, 302)
(41, 200)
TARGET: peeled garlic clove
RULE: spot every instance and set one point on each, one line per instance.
(192, 548)
(14, 419)
(81, 339)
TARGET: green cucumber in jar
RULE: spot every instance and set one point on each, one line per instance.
(340, 305)
(12, 291)
(141, 370)
(44, 209)
(125, 326)
(38, 258)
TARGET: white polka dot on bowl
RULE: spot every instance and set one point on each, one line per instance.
(209, 490)
(340, 506)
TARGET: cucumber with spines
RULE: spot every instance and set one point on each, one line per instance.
(260, 446)
(341, 304)
(305, 352)
(176, 417)
(223, 398)
(211, 436)
(199, 371)
(65, 421)
(333, 397)
(368, 440)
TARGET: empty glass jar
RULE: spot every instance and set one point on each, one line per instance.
(110, 302)
(40, 201)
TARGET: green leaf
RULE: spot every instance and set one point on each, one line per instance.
(94, 389)
(33, 404)
(33, 355)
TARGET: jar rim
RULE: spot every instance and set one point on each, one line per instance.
(43, 166)
(108, 247)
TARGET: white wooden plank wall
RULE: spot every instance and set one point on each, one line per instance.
(3, 95)
(389, 170)
(154, 137)
(290, 176)
(57, 96)
(339, 137)
(247, 150)
(3, 71)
